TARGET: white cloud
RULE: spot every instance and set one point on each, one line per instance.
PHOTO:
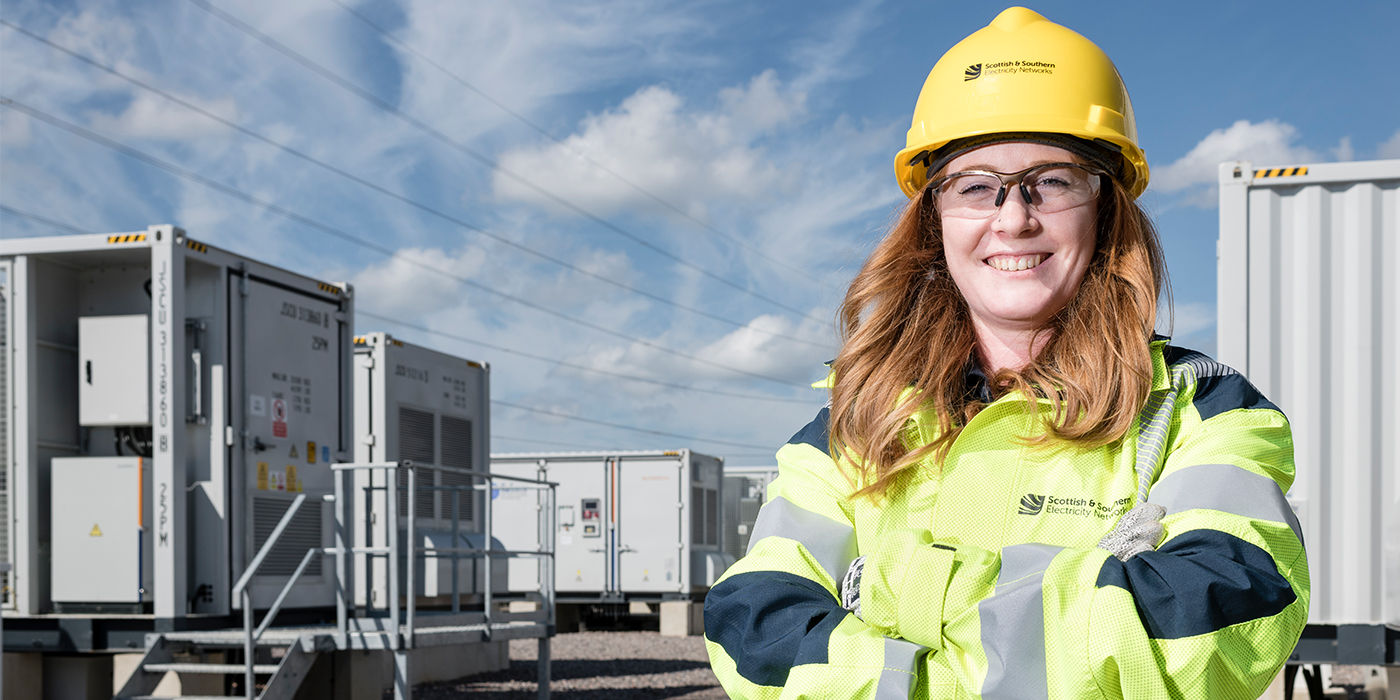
(688, 158)
(1264, 143)
(152, 117)
(1344, 151)
(1195, 174)
(400, 287)
(1391, 147)
(1190, 318)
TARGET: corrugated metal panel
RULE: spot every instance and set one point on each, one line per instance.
(1308, 310)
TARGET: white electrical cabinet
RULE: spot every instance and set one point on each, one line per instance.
(630, 524)
(101, 553)
(745, 491)
(114, 366)
(434, 410)
(230, 380)
(1309, 310)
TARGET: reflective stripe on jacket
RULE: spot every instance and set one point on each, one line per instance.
(983, 579)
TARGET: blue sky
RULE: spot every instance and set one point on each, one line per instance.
(745, 152)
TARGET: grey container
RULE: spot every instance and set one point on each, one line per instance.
(1308, 308)
(244, 403)
(632, 525)
(433, 409)
(745, 491)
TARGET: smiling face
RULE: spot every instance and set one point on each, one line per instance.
(1018, 267)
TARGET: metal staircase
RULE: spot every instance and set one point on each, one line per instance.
(187, 653)
(277, 660)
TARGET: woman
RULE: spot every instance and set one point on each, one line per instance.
(1017, 490)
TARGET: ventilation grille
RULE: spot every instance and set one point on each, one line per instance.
(416, 443)
(711, 516)
(456, 443)
(416, 436)
(302, 533)
(457, 452)
(697, 515)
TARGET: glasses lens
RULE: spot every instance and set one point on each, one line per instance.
(971, 195)
(1054, 187)
(1060, 187)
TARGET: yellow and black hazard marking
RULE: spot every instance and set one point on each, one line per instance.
(477, 365)
(127, 238)
(196, 246)
(328, 288)
(361, 341)
(1281, 172)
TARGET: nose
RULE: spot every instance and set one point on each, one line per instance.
(1015, 217)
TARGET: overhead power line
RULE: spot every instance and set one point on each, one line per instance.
(550, 442)
(584, 368)
(478, 156)
(43, 220)
(382, 190)
(626, 427)
(338, 233)
(564, 144)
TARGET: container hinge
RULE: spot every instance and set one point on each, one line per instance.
(367, 362)
(367, 439)
(228, 436)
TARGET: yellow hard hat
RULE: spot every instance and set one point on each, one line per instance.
(1025, 75)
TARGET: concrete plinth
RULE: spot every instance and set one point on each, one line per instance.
(682, 618)
(24, 676)
(365, 675)
(86, 677)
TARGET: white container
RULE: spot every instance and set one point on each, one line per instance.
(634, 524)
(246, 402)
(1308, 309)
(434, 410)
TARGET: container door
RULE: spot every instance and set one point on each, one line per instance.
(292, 411)
(649, 525)
(582, 548)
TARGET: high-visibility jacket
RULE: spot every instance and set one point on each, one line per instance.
(983, 579)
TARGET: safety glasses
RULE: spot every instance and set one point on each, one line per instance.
(1046, 188)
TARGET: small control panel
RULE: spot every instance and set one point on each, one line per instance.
(591, 517)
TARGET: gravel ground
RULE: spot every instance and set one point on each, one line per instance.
(596, 666)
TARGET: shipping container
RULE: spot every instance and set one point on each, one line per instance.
(631, 525)
(432, 409)
(170, 400)
(1308, 308)
(745, 491)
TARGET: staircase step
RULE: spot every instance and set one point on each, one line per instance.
(263, 669)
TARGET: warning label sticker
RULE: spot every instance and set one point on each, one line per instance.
(262, 476)
(96, 531)
(279, 418)
(257, 405)
(310, 452)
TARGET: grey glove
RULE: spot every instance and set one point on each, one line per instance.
(850, 586)
(1139, 531)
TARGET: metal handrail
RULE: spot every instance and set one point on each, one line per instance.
(241, 589)
(401, 635)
